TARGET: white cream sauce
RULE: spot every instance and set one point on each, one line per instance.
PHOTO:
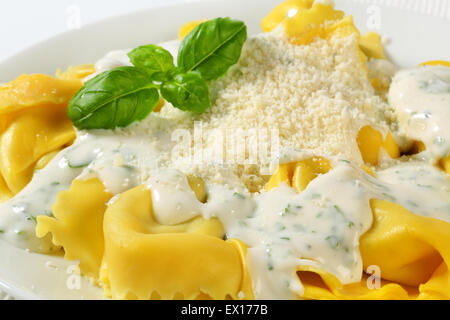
(319, 227)
(119, 58)
(283, 229)
(173, 200)
(120, 160)
(421, 98)
(422, 189)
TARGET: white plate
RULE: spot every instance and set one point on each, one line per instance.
(417, 31)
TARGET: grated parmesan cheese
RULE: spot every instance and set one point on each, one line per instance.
(317, 96)
(313, 98)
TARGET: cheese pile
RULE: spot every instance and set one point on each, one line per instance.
(317, 97)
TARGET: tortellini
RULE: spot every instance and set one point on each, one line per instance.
(371, 142)
(124, 249)
(33, 126)
(77, 224)
(184, 261)
(304, 21)
(412, 251)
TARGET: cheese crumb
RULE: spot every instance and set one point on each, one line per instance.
(317, 96)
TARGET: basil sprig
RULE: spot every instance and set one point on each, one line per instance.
(115, 98)
(121, 96)
(155, 60)
(213, 47)
(187, 91)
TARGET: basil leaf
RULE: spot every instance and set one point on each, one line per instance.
(213, 47)
(187, 91)
(115, 98)
(154, 59)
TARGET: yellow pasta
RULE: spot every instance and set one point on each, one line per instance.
(308, 170)
(445, 164)
(31, 134)
(278, 14)
(36, 90)
(411, 251)
(436, 63)
(34, 125)
(76, 72)
(112, 218)
(186, 28)
(371, 45)
(198, 186)
(304, 21)
(144, 257)
(370, 143)
(408, 248)
(134, 257)
(77, 224)
(308, 24)
(5, 193)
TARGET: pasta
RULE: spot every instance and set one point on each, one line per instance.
(126, 237)
(33, 125)
(370, 222)
(78, 224)
(411, 251)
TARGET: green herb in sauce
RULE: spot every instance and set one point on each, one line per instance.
(77, 166)
(289, 210)
(299, 228)
(339, 210)
(440, 141)
(413, 203)
(424, 186)
(333, 241)
(242, 223)
(239, 195)
(389, 197)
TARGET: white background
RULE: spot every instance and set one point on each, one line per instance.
(25, 22)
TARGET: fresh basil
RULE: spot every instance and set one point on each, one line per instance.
(115, 98)
(121, 96)
(187, 91)
(155, 60)
(213, 47)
